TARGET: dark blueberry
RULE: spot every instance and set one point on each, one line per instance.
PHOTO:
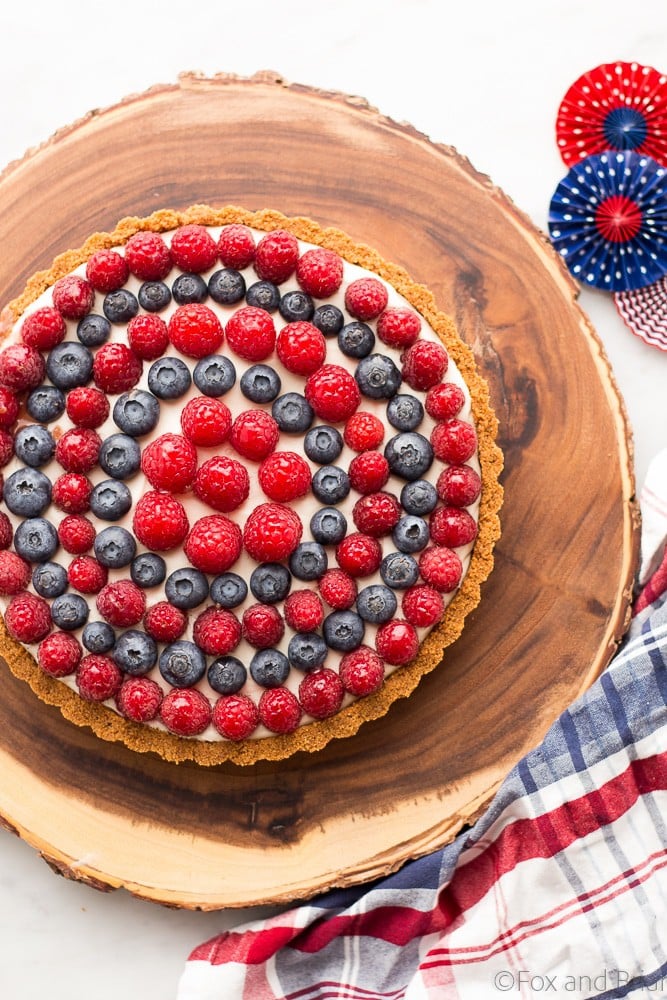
(293, 413)
(134, 652)
(182, 663)
(147, 569)
(399, 570)
(49, 579)
(69, 612)
(309, 561)
(120, 306)
(263, 295)
(186, 588)
(136, 412)
(227, 675)
(411, 534)
(34, 445)
(69, 365)
(214, 375)
(120, 456)
(45, 403)
(270, 582)
(328, 526)
(328, 319)
(356, 339)
(323, 444)
(409, 454)
(110, 500)
(93, 330)
(330, 484)
(27, 492)
(229, 590)
(189, 288)
(36, 539)
(154, 296)
(115, 547)
(296, 306)
(376, 604)
(226, 286)
(419, 497)
(307, 650)
(269, 668)
(378, 377)
(405, 413)
(169, 378)
(343, 630)
(260, 383)
(98, 637)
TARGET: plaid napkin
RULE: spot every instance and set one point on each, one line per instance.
(559, 889)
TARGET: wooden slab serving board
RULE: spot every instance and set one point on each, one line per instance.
(552, 612)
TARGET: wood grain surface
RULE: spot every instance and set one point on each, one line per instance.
(552, 612)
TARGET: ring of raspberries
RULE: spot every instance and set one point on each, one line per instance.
(240, 481)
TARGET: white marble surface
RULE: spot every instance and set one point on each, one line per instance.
(485, 77)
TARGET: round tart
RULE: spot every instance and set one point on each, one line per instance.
(250, 484)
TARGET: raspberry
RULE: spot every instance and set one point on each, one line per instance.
(359, 555)
(71, 493)
(147, 336)
(368, 472)
(21, 367)
(170, 463)
(148, 256)
(236, 246)
(121, 603)
(424, 364)
(452, 526)
(301, 347)
(284, 476)
(444, 400)
(193, 249)
(321, 693)
(235, 716)
(76, 534)
(254, 434)
(222, 483)
(396, 641)
(59, 654)
(454, 441)
(422, 606)
(185, 712)
(28, 618)
(206, 421)
(86, 575)
(43, 329)
(98, 677)
(77, 449)
(160, 522)
(107, 271)
(276, 256)
(14, 573)
(320, 272)
(6, 531)
(458, 485)
(398, 326)
(73, 296)
(376, 514)
(251, 334)
(262, 626)
(214, 544)
(116, 368)
(441, 568)
(365, 298)
(338, 589)
(333, 393)
(6, 447)
(363, 431)
(361, 671)
(217, 632)
(303, 611)
(272, 532)
(139, 699)
(164, 622)
(87, 407)
(195, 330)
(279, 710)
(9, 408)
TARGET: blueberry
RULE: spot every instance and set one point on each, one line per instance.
(110, 500)
(411, 534)
(34, 445)
(293, 413)
(169, 378)
(45, 403)
(227, 675)
(189, 288)
(136, 412)
(49, 579)
(328, 319)
(263, 295)
(405, 413)
(309, 561)
(229, 590)
(214, 375)
(323, 444)
(120, 306)
(376, 604)
(343, 630)
(36, 539)
(134, 652)
(295, 306)
(27, 492)
(182, 663)
(269, 668)
(98, 637)
(69, 612)
(307, 650)
(270, 582)
(419, 497)
(154, 296)
(399, 570)
(120, 456)
(356, 339)
(409, 454)
(69, 365)
(260, 383)
(328, 526)
(147, 569)
(93, 330)
(115, 547)
(226, 286)
(186, 588)
(330, 484)
(378, 377)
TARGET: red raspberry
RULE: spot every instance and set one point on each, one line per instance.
(333, 393)
(86, 575)
(214, 544)
(98, 678)
(6, 447)
(359, 555)
(185, 712)
(195, 330)
(170, 463)
(397, 642)
(454, 441)
(376, 514)
(116, 368)
(321, 693)
(148, 336)
(148, 256)
(398, 326)
(9, 408)
(217, 632)
(107, 271)
(254, 434)
(59, 654)
(139, 699)
(444, 400)
(363, 431)
(304, 611)
(276, 256)
(262, 626)
(338, 589)
(222, 483)
(76, 534)
(251, 334)
(21, 367)
(368, 472)
(441, 568)
(193, 249)
(43, 329)
(206, 421)
(87, 407)
(73, 296)
(160, 522)
(365, 298)
(272, 532)
(14, 573)
(165, 623)
(6, 531)
(121, 603)
(28, 618)
(236, 246)
(235, 716)
(422, 606)
(320, 272)
(77, 449)
(361, 671)
(458, 485)
(279, 710)
(301, 347)
(284, 476)
(424, 364)
(452, 526)
(71, 493)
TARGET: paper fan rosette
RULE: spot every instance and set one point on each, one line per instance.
(608, 221)
(644, 311)
(617, 106)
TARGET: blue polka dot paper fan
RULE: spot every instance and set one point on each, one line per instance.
(608, 220)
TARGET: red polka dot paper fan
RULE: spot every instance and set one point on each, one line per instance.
(616, 106)
(644, 311)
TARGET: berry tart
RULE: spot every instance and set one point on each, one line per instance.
(249, 484)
